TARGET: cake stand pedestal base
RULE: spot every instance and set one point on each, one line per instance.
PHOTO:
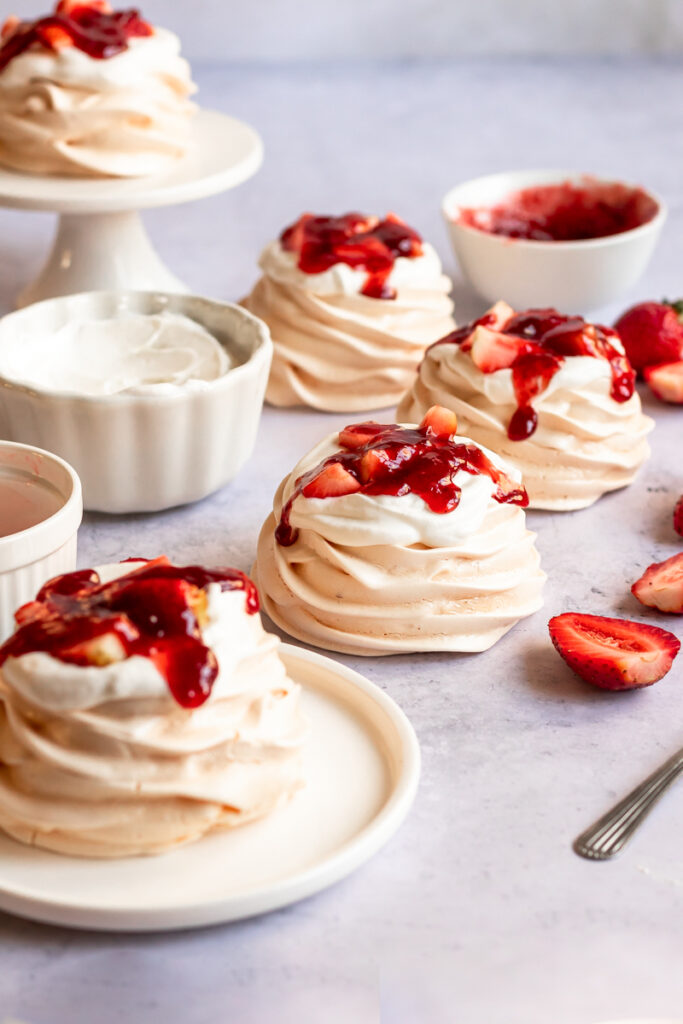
(101, 243)
(100, 252)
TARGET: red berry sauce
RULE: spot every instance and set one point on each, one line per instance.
(462, 335)
(150, 612)
(95, 32)
(356, 240)
(565, 212)
(549, 338)
(387, 459)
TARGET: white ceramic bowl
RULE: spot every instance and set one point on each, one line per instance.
(40, 511)
(574, 277)
(138, 452)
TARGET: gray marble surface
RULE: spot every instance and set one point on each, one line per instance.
(477, 912)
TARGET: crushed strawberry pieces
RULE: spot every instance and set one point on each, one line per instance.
(384, 458)
(533, 345)
(613, 654)
(564, 211)
(661, 585)
(359, 241)
(91, 26)
(156, 611)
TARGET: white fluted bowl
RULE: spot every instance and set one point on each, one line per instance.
(137, 452)
(31, 555)
(574, 277)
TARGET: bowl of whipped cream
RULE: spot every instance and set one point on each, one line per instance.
(154, 398)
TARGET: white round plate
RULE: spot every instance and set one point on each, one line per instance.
(362, 769)
(225, 153)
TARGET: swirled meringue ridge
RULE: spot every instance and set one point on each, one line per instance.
(383, 574)
(65, 113)
(336, 349)
(585, 443)
(100, 761)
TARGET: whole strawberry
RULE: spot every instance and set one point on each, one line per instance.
(678, 517)
(652, 333)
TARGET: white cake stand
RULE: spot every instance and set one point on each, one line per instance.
(101, 243)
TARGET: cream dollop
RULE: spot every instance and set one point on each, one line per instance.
(101, 761)
(133, 352)
(338, 350)
(585, 443)
(64, 112)
(384, 574)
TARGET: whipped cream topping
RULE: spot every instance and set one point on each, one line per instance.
(64, 112)
(364, 520)
(576, 372)
(143, 57)
(585, 443)
(338, 350)
(133, 352)
(407, 273)
(385, 574)
(101, 761)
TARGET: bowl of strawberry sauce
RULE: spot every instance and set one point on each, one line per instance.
(552, 238)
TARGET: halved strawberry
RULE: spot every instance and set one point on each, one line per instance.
(498, 315)
(331, 482)
(666, 381)
(67, 6)
(614, 654)
(29, 612)
(652, 333)
(678, 517)
(98, 650)
(9, 27)
(371, 463)
(661, 585)
(54, 37)
(494, 319)
(493, 351)
(293, 237)
(359, 434)
(440, 421)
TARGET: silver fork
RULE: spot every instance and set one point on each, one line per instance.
(611, 832)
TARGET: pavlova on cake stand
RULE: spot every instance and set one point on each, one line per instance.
(101, 242)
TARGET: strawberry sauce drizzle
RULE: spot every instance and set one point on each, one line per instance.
(564, 212)
(358, 241)
(383, 458)
(97, 33)
(549, 337)
(149, 611)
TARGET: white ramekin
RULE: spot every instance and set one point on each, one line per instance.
(574, 277)
(30, 557)
(145, 452)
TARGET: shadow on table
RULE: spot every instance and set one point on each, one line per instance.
(547, 674)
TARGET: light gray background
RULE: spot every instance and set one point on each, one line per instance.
(477, 912)
(290, 30)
